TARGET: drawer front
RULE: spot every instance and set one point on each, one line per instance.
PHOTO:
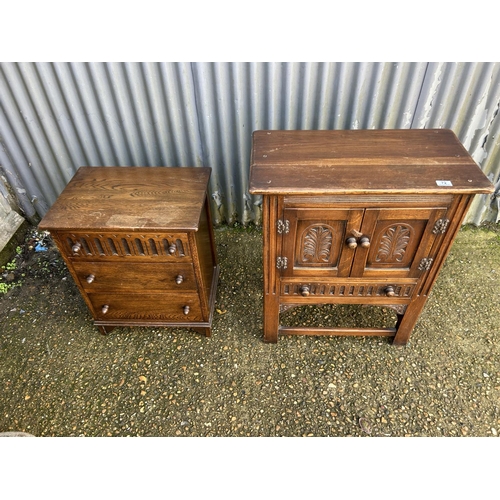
(178, 308)
(131, 246)
(135, 276)
(347, 289)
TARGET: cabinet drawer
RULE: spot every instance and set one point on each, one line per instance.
(347, 289)
(179, 308)
(135, 276)
(130, 246)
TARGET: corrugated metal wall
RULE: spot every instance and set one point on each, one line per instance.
(56, 117)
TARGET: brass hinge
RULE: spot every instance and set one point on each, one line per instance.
(281, 262)
(283, 226)
(425, 264)
(440, 226)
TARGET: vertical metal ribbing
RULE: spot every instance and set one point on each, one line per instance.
(59, 116)
(24, 133)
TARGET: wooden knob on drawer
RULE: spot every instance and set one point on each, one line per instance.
(105, 308)
(389, 291)
(186, 310)
(351, 242)
(76, 247)
(171, 249)
(364, 241)
(179, 279)
(90, 278)
(305, 291)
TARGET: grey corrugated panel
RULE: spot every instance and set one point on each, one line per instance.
(58, 116)
(22, 119)
(465, 97)
(329, 96)
(237, 98)
(9, 150)
(335, 95)
(18, 155)
(485, 149)
(173, 113)
(487, 207)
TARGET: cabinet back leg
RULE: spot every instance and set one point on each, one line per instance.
(105, 329)
(204, 330)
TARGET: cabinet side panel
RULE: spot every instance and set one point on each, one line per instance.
(206, 252)
(271, 250)
(456, 215)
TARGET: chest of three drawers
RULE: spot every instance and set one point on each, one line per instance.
(139, 244)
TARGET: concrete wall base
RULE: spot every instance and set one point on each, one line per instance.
(13, 229)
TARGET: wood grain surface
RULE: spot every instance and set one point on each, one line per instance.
(131, 198)
(362, 162)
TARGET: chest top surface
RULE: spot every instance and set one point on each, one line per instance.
(131, 198)
(363, 162)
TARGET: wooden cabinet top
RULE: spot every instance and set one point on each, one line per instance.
(363, 162)
(131, 198)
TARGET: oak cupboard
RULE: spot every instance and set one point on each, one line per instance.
(358, 217)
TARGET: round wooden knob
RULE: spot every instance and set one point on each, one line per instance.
(304, 291)
(389, 291)
(364, 241)
(186, 310)
(179, 279)
(105, 308)
(351, 242)
(171, 249)
(90, 278)
(76, 247)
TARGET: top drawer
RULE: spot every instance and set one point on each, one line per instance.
(137, 246)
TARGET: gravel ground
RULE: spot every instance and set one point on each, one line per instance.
(60, 377)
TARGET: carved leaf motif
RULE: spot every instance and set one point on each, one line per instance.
(393, 244)
(317, 244)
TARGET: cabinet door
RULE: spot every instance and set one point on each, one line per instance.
(401, 242)
(315, 244)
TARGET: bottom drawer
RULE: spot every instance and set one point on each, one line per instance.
(176, 308)
(346, 289)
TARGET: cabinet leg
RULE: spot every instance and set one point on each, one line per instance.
(406, 322)
(204, 330)
(271, 318)
(399, 319)
(105, 329)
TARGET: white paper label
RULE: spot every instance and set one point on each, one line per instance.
(444, 183)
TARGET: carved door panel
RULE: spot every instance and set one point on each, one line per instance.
(315, 242)
(401, 242)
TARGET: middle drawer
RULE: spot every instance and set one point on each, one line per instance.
(134, 276)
